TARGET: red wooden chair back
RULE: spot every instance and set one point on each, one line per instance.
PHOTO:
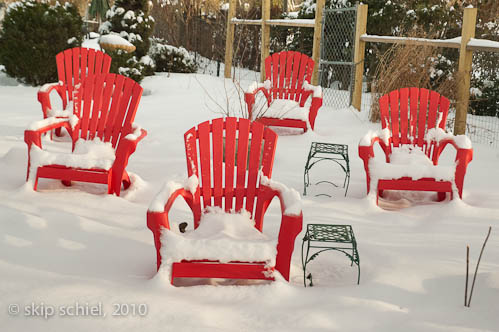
(287, 70)
(106, 105)
(410, 112)
(227, 155)
(75, 64)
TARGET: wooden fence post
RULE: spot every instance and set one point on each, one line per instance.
(229, 39)
(358, 57)
(316, 49)
(265, 44)
(464, 71)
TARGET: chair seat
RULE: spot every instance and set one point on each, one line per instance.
(87, 154)
(409, 161)
(286, 109)
(220, 236)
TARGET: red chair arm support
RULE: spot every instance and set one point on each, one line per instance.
(249, 98)
(126, 147)
(366, 152)
(291, 226)
(314, 109)
(463, 158)
(44, 96)
(158, 219)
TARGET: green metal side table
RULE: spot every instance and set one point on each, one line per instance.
(322, 237)
(337, 153)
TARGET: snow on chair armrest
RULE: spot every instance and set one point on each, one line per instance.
(383, 135)
(47, 87)
(290, 197)
(135, 134)
(317, 90)
(41, 124)
(439, 135)
(162, 197)
(255, 86)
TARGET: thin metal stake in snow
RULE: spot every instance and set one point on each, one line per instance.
(477, 264)
(467, 273)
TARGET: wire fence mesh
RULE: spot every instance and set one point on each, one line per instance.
(337, 49)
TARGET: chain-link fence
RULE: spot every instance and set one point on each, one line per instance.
(336, 64)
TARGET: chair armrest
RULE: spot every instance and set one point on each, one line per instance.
(157, 213)
(44, 96)
(291, 221)
(35, 130)
(366, 144)
(250, 94)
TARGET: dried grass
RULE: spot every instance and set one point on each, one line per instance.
(410, 66)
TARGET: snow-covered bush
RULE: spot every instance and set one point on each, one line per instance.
(31, 36)
(131, 20)
(171, 59)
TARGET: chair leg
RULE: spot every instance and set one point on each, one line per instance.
(126, 180)
(57, 132)
(441, 196)
(67, 183)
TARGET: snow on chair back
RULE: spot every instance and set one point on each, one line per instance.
(75, 64)
(106, 105)
(410, 112)
(222, 165)
(287, 71)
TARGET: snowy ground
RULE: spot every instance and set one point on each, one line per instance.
(65, 246)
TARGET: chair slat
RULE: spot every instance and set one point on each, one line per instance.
(422, 115)
(106, 101)
(217, 138)
(98, 62)
(191, 152)
(414, 105)
(113, 111)
(205, 161)
(254, 164)
(87, 102)
(242, 159)
(268, 68)
(394, 117)
(91, 62)
(282, 74)
(383, 111)
(230, 153)
(122, 110)
(289, 65)
(301, 76)
(444, 110)
(76, 65)
(404, 115)
(59, 59)
(97, 105)
(275, 73)
(269, 147)
(68, 65)
(296, 68)
(84, 62)
(433, 109)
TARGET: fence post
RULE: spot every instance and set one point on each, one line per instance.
(358, 57)
(316, 49)
(229, 38)
(265, 44)
(464, 71)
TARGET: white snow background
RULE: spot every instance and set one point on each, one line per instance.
(60, 246)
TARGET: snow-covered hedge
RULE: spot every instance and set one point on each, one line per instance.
(171, 59)
(31, 36)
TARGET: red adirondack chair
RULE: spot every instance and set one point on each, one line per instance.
(287, 88)
(240, 150)
(102, 132)
(413, 138)
(73, 66)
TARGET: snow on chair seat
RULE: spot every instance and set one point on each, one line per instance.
(412, 138)
(102, 131)
(286, 109)
(92, 154)
(222, 237)
(408, 161)
(229, 162)
(287, 78)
